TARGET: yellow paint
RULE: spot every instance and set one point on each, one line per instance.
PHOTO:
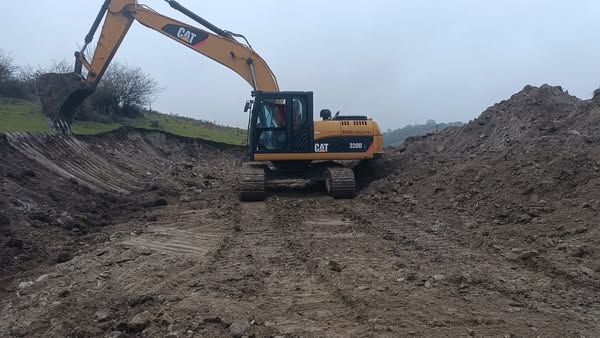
(313, 156)
(225, 51)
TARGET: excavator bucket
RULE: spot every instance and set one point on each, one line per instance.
(60, 96)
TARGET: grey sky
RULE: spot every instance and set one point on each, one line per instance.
(399, 62)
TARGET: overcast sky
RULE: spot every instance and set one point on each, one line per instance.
(400, 62)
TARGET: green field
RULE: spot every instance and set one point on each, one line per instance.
(20, 115)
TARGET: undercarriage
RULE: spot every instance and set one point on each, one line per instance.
(257, 177)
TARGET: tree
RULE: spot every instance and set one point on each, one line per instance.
(7, 67)
(129, 88)
(10, 86)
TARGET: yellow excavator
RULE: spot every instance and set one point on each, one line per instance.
(283, 140)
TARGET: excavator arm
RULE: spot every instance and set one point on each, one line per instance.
(61, 94)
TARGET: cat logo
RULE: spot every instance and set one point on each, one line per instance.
(186, 35)
(321, 147)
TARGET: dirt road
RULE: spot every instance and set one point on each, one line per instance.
(141, 234)
(339, 268)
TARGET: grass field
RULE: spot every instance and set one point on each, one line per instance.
(20, 115)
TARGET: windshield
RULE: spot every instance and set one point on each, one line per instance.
(271, 113)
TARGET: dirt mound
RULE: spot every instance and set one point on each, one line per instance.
(525, 175)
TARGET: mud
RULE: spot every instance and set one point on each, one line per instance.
(485, 230)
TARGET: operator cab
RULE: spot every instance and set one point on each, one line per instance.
(280, 122)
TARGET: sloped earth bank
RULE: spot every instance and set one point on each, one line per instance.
(486, 230)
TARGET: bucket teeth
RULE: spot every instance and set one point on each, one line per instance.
(60, 127)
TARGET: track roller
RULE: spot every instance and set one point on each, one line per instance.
(340, 182)
(252, 183)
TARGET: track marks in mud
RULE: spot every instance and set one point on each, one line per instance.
(71, 158)
(257, 277)
(403, 277)
(183, 234)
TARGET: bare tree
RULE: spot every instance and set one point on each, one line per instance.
(29, 73)
(7, 67)
(129, 87)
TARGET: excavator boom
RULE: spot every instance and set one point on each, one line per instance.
(61, 94)
(284, 142)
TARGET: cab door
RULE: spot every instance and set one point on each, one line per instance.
(301, 124)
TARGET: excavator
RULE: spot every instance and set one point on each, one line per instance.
(283, 140)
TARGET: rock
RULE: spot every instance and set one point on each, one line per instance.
(40, 216)
(63, 257)
(166, 320)
(66, 221)
(140, 321)
(239, 328)
(586, 270)
(428, 284)
(528, 254)
(579, 251)
(102, 315)
(334, 266)
(115, 334)
(135, 300)
(64, 293)
(42, 278)
(380, 328)
(25, 285)
(438, 277)
(185, 198)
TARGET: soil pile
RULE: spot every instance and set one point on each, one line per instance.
(525, 175)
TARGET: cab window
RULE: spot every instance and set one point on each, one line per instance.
(299, 113)
(271, 125)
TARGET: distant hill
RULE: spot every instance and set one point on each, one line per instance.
(395, 137)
